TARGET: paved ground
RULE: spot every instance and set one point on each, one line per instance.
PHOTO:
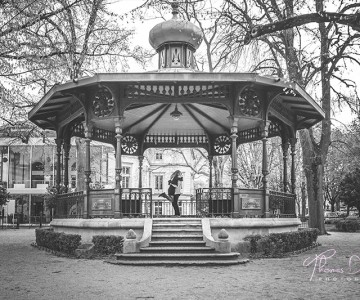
(29, 273)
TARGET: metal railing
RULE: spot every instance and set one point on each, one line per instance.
(282, 204)
(209, 202)
(163, 208)
(214, 202)
(70, 205)
(136, 202)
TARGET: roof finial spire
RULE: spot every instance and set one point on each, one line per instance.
(175, 9)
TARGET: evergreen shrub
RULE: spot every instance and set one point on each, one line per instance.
(349, 225)
(253, 239)
(108, 244)
(277, 244)
(57, 241)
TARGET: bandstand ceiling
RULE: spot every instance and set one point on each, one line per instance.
(195, 119)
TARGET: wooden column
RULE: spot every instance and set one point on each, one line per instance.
(265, 170)
(141, 160)
(87, 170)
(293, 176)
(118, 169)
(210, 158)
(66, 147)
(285, 149)
(234, 169)
(58, 163)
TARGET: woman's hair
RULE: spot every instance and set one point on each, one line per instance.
(176, 173)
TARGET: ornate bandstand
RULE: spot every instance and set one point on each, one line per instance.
(176, 106)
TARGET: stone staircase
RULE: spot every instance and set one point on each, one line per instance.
(177, 241)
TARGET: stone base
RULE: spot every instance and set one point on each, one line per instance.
(237, 229)
(87, 228)
(240, 228)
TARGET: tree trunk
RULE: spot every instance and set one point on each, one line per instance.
(314, 172)
(218, 164)
(314, 154)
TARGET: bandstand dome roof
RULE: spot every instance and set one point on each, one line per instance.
(175, 30)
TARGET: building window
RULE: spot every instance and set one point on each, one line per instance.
(159, 182)
(158, 156)
(158, 208)
(125, 177)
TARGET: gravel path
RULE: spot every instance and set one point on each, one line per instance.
(29, 273)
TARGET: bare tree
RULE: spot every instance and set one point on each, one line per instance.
(304, 64)
(42, 44)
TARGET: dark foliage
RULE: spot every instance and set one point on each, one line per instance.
(57, 241)
(277, 244)
(108, 244)
(348, 225)
(350, 189)
(4, 195)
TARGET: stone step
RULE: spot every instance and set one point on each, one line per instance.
(177, 244)
(174, 230)
(180, 231)
(186, 249)
(178, 256)
(178, 263)
(176, 225)
(158, 220)
(177, 237)
(179, 221)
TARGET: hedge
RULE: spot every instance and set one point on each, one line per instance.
(108, 244)
(348, 225)
(277, 244)
(57, 241)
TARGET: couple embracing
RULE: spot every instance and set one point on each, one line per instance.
(174, 191)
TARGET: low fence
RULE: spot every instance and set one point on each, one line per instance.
(136, 202)
(214, 202)
(163, 208)
(70, 205)
(282, 205)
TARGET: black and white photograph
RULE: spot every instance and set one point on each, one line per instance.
(179, 149)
